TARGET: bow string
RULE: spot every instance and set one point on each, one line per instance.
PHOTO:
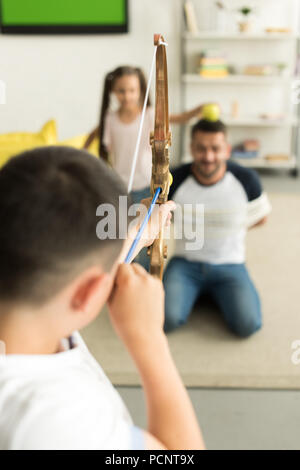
(160, 141)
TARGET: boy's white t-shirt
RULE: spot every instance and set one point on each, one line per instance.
(62, 401)
(121, 140)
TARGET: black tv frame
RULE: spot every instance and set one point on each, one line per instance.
(67, 29)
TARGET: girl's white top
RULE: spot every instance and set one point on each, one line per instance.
(120, 139)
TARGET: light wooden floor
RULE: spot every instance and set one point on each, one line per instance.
(237, 419)
(206, 353)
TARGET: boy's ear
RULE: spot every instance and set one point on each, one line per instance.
(93, 286)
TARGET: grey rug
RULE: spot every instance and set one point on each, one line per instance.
(206, 353)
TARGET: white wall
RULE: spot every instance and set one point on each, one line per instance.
(61, 76)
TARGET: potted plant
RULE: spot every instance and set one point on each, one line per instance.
(282, 68)
(245, 22)
(245, 14)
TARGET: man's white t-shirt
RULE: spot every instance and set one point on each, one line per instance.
(62, 401)
(216, 217)
(121, 140)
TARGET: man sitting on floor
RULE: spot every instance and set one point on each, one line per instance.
(233, 200)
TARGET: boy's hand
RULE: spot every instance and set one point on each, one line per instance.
(160, 217)
(136, 305)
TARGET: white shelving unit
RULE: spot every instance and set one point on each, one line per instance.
(261, 163)
(258, 95)
(241, 36)
(237, 79)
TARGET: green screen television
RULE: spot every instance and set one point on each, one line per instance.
(63, 16)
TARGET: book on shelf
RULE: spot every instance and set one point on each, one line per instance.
(212, 53)
(190, 17)
(251, 145)
(211, 61)
(277, 157)
(213, 73)
(262, 70)
(242, 154)
(278, 30)
(273, 116)
(247, 149)
(213, 64)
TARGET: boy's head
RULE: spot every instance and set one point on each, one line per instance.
(209, 147)
(48, 202)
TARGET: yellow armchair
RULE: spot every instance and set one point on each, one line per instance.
(16, 142)
(78, 143)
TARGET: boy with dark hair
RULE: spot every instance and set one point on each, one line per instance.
(232, 201)
(55, 277)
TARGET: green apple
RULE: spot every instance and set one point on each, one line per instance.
(211, 112)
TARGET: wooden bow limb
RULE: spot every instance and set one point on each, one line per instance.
(160, 141)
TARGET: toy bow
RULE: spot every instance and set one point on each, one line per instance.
(160, 141)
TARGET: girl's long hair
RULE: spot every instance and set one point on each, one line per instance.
(109, 84)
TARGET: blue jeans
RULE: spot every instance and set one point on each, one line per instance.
(142, 258)
(228, 284)
(140, 194)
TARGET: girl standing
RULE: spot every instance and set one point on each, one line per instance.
(118, 129)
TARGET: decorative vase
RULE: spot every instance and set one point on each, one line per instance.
(244, 26)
